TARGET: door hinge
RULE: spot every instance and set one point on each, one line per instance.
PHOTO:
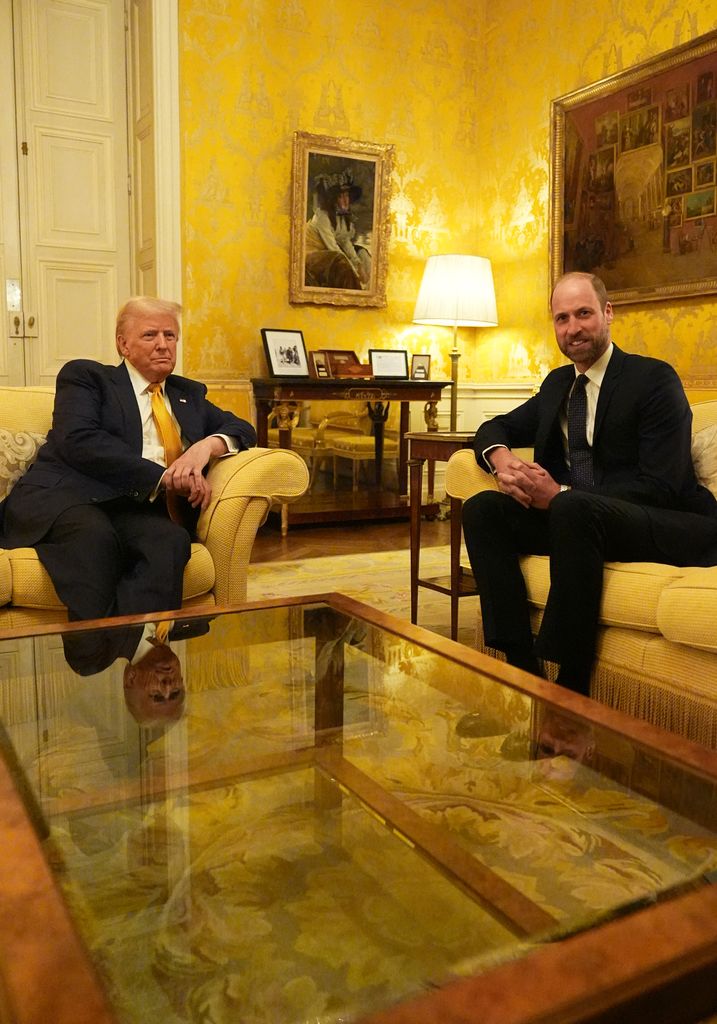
(23, 148)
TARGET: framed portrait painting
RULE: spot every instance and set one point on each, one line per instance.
(340, 193)
(633, 178)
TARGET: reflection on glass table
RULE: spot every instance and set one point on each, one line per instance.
(337, 817)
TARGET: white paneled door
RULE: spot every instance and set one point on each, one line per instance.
(64, 204)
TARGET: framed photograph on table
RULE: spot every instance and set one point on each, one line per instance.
(391, 363)
(420, 367)
(340, 222)
(319, 365)
(623, 150)
(285, 352)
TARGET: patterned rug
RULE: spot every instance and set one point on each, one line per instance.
(381, 579)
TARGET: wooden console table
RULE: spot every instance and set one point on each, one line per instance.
(437, 447)
(284, 395)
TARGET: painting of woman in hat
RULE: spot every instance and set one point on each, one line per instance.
(335, 255)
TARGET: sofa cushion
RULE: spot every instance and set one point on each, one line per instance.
(631, 590)
(5, 578)
(687, 611)
(18, 450)
(704, 456)
(32, 587)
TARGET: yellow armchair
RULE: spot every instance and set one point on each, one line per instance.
(244, 487)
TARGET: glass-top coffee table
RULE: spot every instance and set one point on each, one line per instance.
(309, 811)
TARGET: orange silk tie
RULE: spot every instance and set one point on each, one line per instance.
(162, 631)
(171, 442)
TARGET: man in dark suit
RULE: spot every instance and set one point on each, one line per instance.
(95, 504)
(612, 480)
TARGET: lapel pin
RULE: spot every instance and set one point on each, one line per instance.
(183, 401)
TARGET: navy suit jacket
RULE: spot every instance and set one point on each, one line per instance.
(642, 437)
(93, 452)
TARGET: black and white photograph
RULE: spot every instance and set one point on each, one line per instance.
(285, 352)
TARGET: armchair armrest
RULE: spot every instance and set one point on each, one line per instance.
(244, 487)
(464, 477)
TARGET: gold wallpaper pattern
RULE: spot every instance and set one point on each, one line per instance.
(462, 90)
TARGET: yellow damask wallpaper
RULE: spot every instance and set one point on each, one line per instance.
(255, 71)
(462, 89)
(531, 57)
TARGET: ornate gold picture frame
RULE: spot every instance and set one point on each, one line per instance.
(632, 178)
(340, 223)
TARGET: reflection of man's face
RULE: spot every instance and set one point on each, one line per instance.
(154, 688)
(562, 735)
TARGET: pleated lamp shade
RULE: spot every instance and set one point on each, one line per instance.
(457, 291)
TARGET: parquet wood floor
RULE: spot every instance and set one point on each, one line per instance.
(342, 538)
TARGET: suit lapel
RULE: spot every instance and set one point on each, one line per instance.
(609, 383)
(128, 404)
(549, 448)
(183, 409)
(554, 395)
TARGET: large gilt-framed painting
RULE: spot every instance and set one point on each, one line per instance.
(633, 177)
(340, 194)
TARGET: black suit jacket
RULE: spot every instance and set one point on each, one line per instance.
(642, 437)
(93, 452)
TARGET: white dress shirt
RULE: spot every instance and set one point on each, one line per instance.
(595, 376)
(152, 447)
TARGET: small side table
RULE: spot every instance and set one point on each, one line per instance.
(437, 446)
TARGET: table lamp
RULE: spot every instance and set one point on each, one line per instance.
(456, 291)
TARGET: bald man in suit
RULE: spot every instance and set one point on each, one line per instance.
(95, 503)
(638, 499)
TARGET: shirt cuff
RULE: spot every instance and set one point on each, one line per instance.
(484, 456)
(232, 447)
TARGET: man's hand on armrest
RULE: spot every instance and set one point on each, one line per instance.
(185, 475)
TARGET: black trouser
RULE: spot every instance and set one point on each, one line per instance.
(116, 558)
(580, 531)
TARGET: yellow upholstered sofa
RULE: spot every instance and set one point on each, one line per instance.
(657, 644)
(244, 487)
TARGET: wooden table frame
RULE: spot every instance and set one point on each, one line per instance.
(657, 963)
(284, 395)
(437, 447)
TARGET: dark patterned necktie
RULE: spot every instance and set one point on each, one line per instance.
(580, 452)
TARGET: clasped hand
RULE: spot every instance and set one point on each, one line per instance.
(185, 475)
(527, 482)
